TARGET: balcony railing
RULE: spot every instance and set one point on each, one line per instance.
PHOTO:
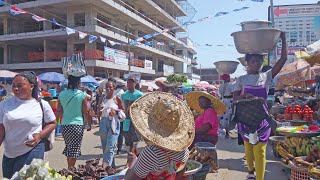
(87, 54)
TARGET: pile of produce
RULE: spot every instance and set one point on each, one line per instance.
(206, 158)
(314, 171)
(176, 78)
(191, 166)
(299, 129)
(298, 146)
(296, 113)
(90, 171)
(38, 169)
(308, 152)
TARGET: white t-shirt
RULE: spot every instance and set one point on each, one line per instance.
(261, 79)
(21, 118)
(226, 89)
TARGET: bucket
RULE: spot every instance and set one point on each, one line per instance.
(250, 25)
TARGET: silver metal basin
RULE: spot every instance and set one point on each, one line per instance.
(226, 67)
(256, 41)
(250, 25)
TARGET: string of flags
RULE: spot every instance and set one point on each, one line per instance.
(138, 41)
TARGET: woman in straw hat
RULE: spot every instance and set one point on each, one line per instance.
(167, 126)
(207, 124)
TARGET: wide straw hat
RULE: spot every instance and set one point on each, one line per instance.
(163, 120)
(193, 101)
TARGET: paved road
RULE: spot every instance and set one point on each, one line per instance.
(229, 153)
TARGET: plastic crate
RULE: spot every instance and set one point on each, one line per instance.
(205, 147)
(299, 175)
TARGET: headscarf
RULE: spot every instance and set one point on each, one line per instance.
(32, 78)
(225, 77)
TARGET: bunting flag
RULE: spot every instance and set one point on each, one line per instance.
(102, 39)
(220, 14)
(148, 36)
(3, 3)
(140, 39)
(172, 44)
(112, 42)
(70, 31)
(160, 43)
(16, 11)
(134, 43)
(165, 30)
(54, 21)
(149, 43)
(204, 19)
(92, 38)
(257, 0)
(38, 18)
(82, 35)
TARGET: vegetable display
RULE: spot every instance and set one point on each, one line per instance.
(206, 158)
(175, 78)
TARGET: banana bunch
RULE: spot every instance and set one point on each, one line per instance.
(315, 172)
(283, 152)
(298, 146)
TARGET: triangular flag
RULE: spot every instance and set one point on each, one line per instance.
(16, 11)
(148, 36)
(103, 39)
(112, 42)
(149, 43)
(160, 43)
(140, 39)
(220, 14)
(92, 38)
(38, 18)
(70, 31)
(134, 43)
(3, 3)
(82, 35)
(54, 21)
(165, 30)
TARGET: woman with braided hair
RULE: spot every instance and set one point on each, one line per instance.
(21, 128)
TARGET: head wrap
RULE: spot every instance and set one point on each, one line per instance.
(225, 77)
(32, 78)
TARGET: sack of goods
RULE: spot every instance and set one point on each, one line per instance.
(256, 37)
(74, 66)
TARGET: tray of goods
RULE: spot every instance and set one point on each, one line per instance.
(298, 114)
(299, 131)
(206, 154)
(299, 153)
(90, 170)
(192, 167)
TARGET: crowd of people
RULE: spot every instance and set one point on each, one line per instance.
(162, 119)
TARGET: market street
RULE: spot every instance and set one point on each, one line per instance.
(230, 156)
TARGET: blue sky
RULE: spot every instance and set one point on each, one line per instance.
(218, 30)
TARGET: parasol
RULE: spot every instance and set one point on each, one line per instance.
(52, 77)
(89, 80)
(7, 75)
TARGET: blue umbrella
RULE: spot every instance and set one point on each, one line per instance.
(89, 79)
(52, 77)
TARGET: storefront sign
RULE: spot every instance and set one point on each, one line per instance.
(147, 64)
(116, 56)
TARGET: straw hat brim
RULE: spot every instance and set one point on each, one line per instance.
(193, 102)
(177, 140)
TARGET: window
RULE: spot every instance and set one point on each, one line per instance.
(160, 66)
(179, 52)
(79, 19)
(105, 21)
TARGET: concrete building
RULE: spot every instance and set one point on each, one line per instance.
(26, 44)
(210, 75)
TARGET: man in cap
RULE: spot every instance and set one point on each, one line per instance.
(128, 97)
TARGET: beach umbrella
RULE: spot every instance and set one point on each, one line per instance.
(6, 75)
(88, 80)
(52, 77)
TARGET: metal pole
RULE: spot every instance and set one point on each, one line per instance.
(129, 54)
(273, 25)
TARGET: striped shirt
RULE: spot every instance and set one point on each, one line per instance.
(153, 160)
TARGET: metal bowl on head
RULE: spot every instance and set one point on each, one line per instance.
(226, 67)
(243, 61)
(256, 41)
(250, 25)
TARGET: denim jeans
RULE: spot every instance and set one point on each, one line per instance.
(108, 140)
(12, 165)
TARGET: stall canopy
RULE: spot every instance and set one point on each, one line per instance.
(52, 77)
(6, 75)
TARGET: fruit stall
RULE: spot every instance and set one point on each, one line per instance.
(299, 142)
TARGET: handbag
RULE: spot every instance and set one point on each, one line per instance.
(251, 112)
(74, 66)
(48, 141)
